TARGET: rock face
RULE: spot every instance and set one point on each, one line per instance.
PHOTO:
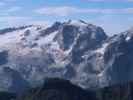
(118, 58)
(3, 57)
(73, 50)
(116, 92)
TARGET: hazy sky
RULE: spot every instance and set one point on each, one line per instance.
(114, 16)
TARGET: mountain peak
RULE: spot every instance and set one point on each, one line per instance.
(62, 46)
(77, 22)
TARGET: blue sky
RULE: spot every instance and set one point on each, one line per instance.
(114, 16)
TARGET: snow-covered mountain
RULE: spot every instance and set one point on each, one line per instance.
(73, 50)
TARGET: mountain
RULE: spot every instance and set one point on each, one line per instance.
(72, 50)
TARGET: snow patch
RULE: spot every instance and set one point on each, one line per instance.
(102, 49)
(78, 23)
(48, 39)
(128, 38)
